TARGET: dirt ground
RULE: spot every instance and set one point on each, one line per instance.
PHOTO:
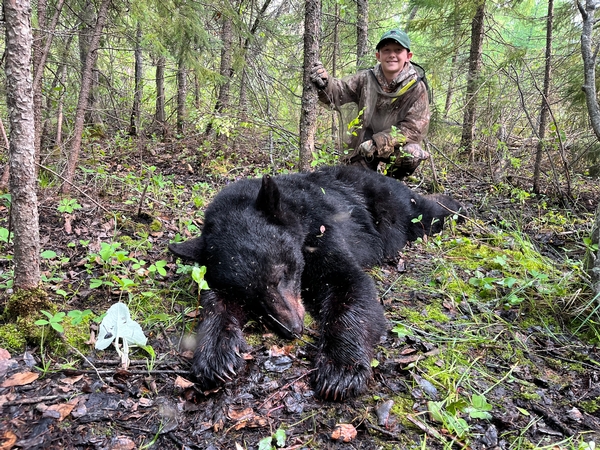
(542, 385)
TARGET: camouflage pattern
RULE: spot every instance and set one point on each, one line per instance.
(403, 103)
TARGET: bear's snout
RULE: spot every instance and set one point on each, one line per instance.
(287, 315)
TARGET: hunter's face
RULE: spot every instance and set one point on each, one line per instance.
(393, 57)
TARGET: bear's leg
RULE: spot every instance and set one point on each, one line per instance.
(219, 342)
(351, 324)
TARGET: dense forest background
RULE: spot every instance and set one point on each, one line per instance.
(231, 73)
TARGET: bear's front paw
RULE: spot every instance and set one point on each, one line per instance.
(335, 382)
(217, 360)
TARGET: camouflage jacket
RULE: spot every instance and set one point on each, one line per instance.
(403, 103)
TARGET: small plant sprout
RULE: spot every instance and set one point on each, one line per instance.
(267, 443)
(54, 320)
(68, 205)
(118, 325)
(198, 276)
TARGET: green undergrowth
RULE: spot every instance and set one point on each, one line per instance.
(477, 306)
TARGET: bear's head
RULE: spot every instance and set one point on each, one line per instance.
(253, 257)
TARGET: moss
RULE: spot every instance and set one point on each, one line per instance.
(11, 338)
(156, 225)
(590, 406)
(23, 303)
(402, 407)
(530, 396)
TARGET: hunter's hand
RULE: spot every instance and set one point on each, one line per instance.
(367, 148)
(318, 75)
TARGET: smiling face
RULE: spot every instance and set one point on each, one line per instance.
(392, 57)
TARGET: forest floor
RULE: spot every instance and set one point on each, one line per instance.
(487, 348)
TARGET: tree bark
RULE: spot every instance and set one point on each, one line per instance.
(22, 144)
(181, 96)
(41, 51)
(589, 63)
(545, 107)
(308, 114)
(84, 91)
(226, 69)
(477, 28)
(362, 33)
(594, 256)
(159, 114)
(134, 121)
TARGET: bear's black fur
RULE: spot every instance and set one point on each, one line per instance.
(272, 247)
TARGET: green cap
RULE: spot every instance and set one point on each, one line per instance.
(396, 35)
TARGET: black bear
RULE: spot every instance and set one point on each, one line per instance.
(273, 247)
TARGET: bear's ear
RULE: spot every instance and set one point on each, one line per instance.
(191, 249)
(269, 198)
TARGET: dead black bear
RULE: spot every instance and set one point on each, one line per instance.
(276, 246)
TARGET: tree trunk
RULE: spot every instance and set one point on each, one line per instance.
(594, 256)
(545, 107)
(82, 103)
(362, 34)
(589, 63)
(22, 144)
(453, 66)
(159, 114)
(134, 122)
(38, 70)
(41, 52)
(243, 103)
(86, 38)
(181, 96)
(477, 28)
(308, 114)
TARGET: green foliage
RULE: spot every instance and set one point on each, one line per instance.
(54, 320)
(277, 440)
(68, 205)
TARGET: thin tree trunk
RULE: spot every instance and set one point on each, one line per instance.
(84, 91)
(308, 114)
(38, 69)
(134, 123)
(362, 33)
(181, 96)
(589, 63)
(468, 131)
(545, 107)
(243, 103)
(22, 144)
(159, 114)
(453, 71)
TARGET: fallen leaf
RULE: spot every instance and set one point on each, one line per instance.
(182, 383)
(64, 409)
(71, 380)
(20, 379)
(122, 443)
(344, 432)
(240, 414)
(8, 440)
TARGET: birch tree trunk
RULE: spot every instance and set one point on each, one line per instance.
(84, 92)
(22, 144)
(308, 114)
